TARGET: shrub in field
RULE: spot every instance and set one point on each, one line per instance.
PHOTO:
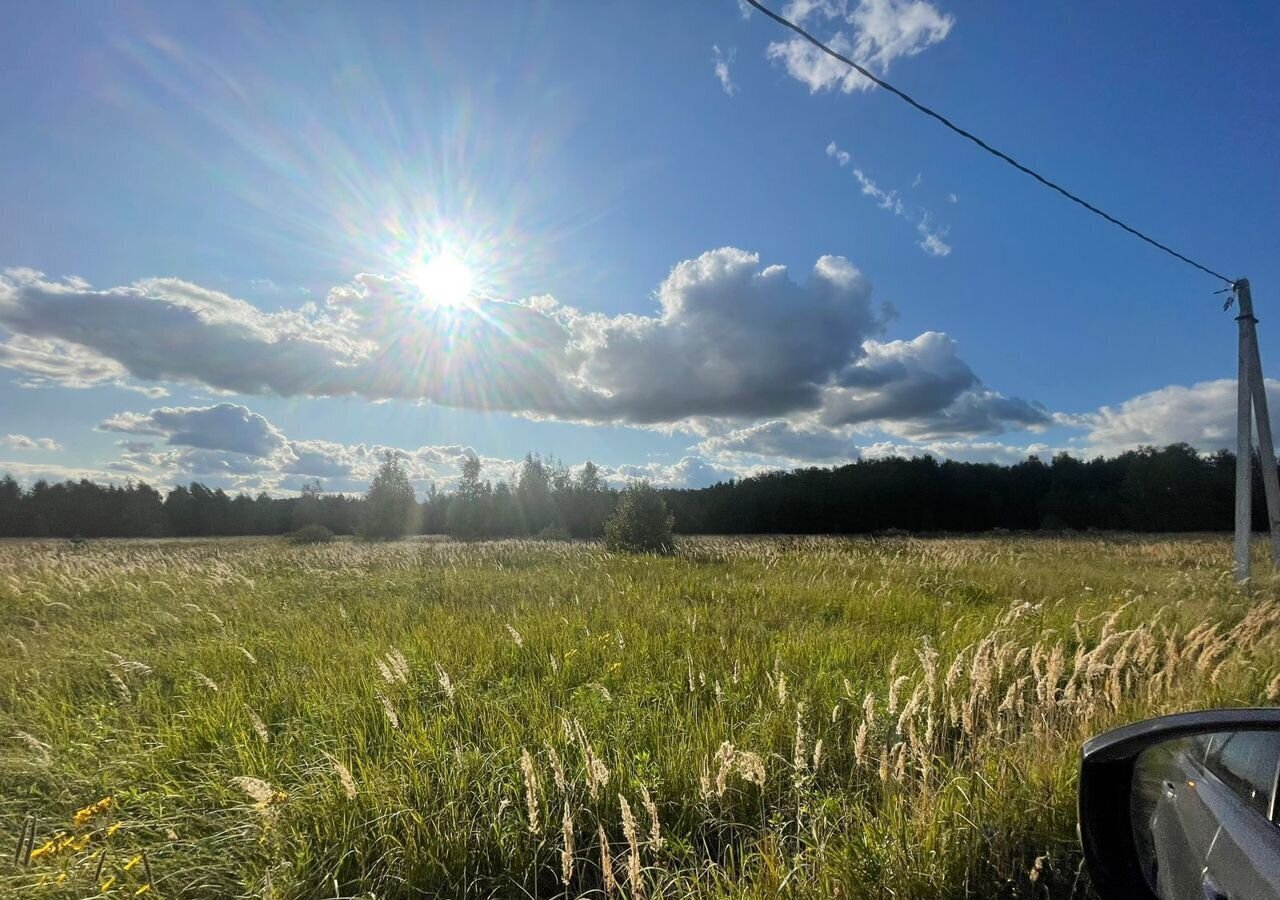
(641, 523)
(311, 534)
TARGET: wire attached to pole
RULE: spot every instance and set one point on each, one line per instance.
(907, 98)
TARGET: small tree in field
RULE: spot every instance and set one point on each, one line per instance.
(389, 506)
(641, 522)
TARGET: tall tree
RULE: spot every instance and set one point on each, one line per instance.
(389, 506)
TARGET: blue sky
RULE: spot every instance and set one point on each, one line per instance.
(219, 224)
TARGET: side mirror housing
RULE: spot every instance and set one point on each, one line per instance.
(1156, 799)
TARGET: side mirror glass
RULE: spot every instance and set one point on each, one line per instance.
(1184, 806)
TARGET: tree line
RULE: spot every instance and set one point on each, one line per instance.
(1149, 489)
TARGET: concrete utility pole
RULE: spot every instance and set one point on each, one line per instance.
(1251, 396)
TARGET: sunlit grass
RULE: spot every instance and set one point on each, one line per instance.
(803, 718)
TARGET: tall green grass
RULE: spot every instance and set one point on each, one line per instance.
(803, 717)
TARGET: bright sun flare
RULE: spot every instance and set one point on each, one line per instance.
(444, 280)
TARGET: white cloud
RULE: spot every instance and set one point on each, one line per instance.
(1203, 415)
(721, 62)
(887, 200)
(225, 426)
(963, 451)
(22, 442)
(731, 342)
(931, 239)
(952, 198)
(782, 442)
(689, 472)
(840, 156)
(873, 33)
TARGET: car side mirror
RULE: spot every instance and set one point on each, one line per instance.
(1184, 806)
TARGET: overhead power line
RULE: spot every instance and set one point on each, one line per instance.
(902, 95)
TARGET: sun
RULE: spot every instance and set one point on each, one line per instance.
(445, 280)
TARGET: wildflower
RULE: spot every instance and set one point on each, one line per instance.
(86, 813)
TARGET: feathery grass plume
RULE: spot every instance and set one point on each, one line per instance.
(446, 683)
(894, 688)
(655, 827)
(399, 664)
(724, 766)
(597, 771)
(515, 635)
(34, 744)
(750, 766)
(385, 671)
(249, 656)
(630, 832)
(860, 744)
(530, 789)
(817, 755)
(604, 691)
(261, 792)
(737, 671)
(557, 770)
(800, 757)
(885, 764)
(121, 689)
(205, 680)
(606, 863)
(344, 775)
(782, 688)
(258, 725)
(390, 711)
(900, 762)
(566, 851)
(1273, 689)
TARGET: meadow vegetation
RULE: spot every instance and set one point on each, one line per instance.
(769, 717)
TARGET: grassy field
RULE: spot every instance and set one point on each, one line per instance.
(747, 718)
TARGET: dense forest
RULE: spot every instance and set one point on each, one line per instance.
(1170, 489)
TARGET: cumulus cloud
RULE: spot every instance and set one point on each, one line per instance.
(732, 342)
(963, 451)
(721, 60)
(689, 472)
(226, 426)
(22, 442)
(922, 389)
(782, 441)
(1202, 415)
(873, 33)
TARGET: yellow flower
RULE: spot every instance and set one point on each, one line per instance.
(142, 890)
(114, 827)
(133, 862)
(93, 809)
(52, 847)
(106, 884)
